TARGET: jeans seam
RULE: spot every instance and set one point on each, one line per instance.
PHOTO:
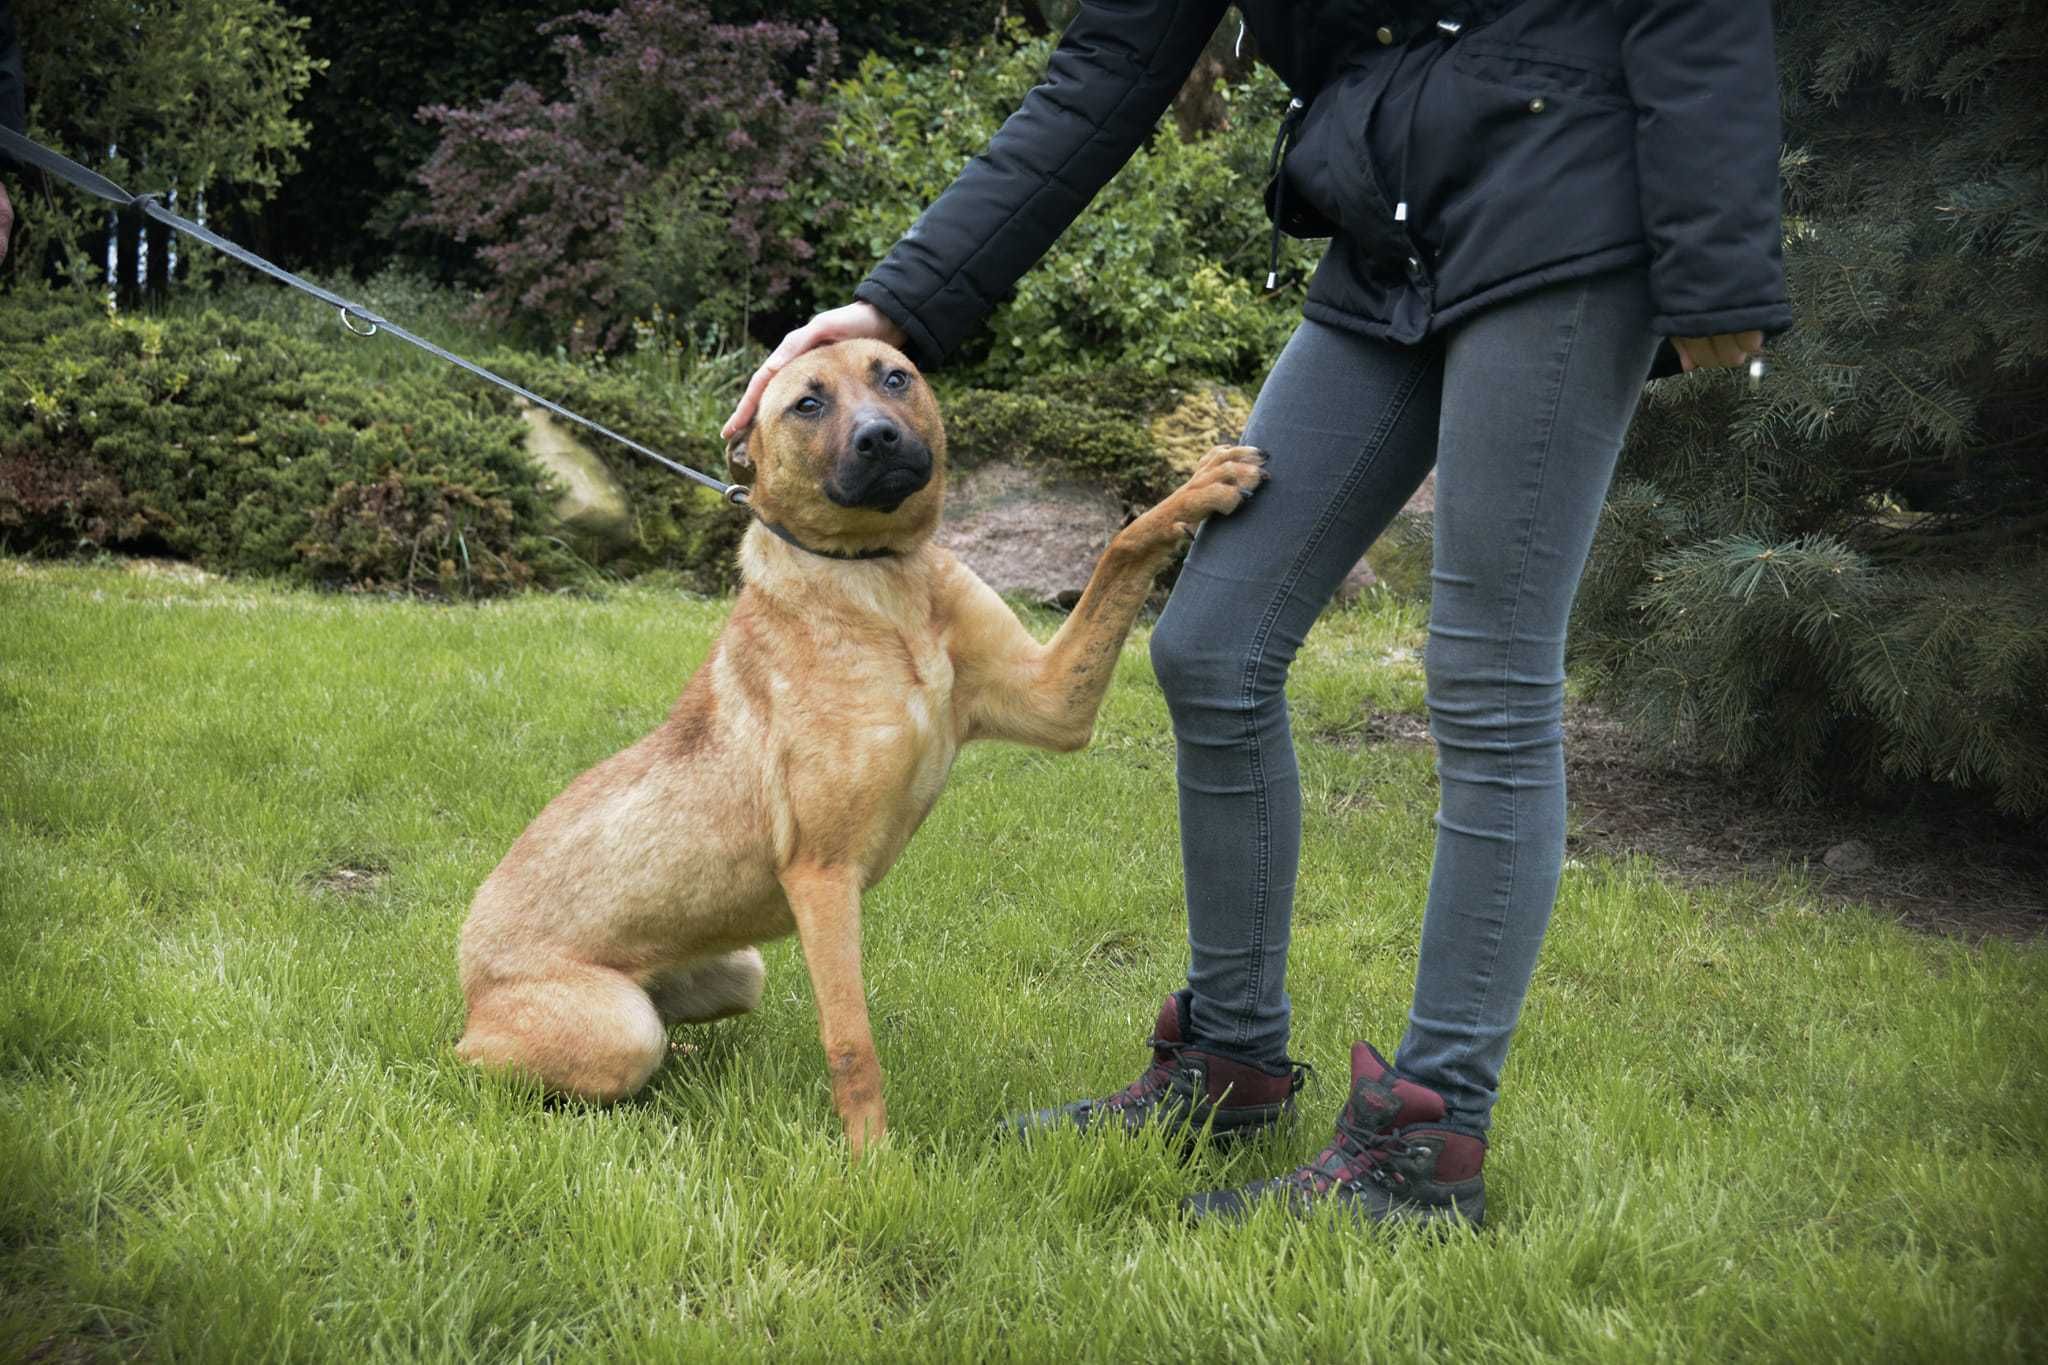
(1261, 881)
(1485, 999)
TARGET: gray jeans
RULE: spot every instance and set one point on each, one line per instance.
(1521, 410)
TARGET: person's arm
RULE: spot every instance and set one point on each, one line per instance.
(1115, 71)
(1704, 80)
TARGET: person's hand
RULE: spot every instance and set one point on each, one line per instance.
(1726, 351)
(841, 324)
(6, 221)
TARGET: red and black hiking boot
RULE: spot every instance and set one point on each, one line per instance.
(1186, 1087)
(1390, 1160)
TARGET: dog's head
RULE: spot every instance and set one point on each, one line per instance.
(846, 451)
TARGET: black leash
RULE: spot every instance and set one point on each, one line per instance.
(35, 154)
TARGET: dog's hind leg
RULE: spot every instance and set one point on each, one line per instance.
(713, 988)
(583, 1030)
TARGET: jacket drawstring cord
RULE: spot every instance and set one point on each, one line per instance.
(1276, 174)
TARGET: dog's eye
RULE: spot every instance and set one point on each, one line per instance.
(895, 381)
(807, 405)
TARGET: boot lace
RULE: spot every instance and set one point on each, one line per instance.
(1354, 1155)
(1153, 1083)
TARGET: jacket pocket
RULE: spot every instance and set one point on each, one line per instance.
(1530, 70)
(1331, 187)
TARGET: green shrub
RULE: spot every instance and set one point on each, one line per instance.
(678, 525)
(261, 447)
(1161, 275)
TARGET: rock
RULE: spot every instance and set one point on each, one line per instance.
(1355, 583)
(1851, 855)
(1027, 531)
(593, 509)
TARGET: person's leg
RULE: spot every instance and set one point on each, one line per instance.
(1538, 394)
(1349, 427)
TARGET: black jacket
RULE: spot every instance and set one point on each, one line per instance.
(1457, 153)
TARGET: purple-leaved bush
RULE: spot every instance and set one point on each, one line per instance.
(661, 101)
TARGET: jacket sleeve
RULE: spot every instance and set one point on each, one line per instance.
(1704, 79)
(1116, 69)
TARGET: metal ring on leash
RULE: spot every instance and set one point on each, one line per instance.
(355, 329)
(736, 495)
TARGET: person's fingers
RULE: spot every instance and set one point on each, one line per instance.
(839, 324)
(812, 333)
(792, 346)
(743, 413)
(1729, 350)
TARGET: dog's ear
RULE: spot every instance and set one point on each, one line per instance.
(738, 466)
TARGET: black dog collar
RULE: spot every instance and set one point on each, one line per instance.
(882, 552)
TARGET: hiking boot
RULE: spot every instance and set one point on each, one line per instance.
(1391, 1159)
(1186, 1088)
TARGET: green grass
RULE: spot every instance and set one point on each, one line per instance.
(1736, 1126)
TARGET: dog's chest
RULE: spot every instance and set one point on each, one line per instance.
(908, 745)
(915, 706)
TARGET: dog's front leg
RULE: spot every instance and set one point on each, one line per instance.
(825, 902)
(1048, 695)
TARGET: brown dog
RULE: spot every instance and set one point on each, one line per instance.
(803, 753)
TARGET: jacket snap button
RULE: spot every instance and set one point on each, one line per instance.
(1386, 37)
(1537, 105)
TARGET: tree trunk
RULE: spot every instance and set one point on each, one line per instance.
(159, 282)
(128, 258)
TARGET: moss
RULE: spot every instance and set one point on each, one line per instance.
(1205, 416)
(1126, 430)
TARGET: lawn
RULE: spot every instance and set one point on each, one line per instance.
(239, 828)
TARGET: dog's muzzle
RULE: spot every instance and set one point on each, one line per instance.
(884, 465)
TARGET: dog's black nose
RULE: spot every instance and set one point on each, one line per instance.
(877, 438)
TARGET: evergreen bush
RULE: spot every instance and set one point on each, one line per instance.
(248, 446)
(1846, 577)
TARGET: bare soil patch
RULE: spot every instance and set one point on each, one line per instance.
(349, 880)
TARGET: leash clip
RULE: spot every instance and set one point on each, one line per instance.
(355, 329)
(736, 495)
